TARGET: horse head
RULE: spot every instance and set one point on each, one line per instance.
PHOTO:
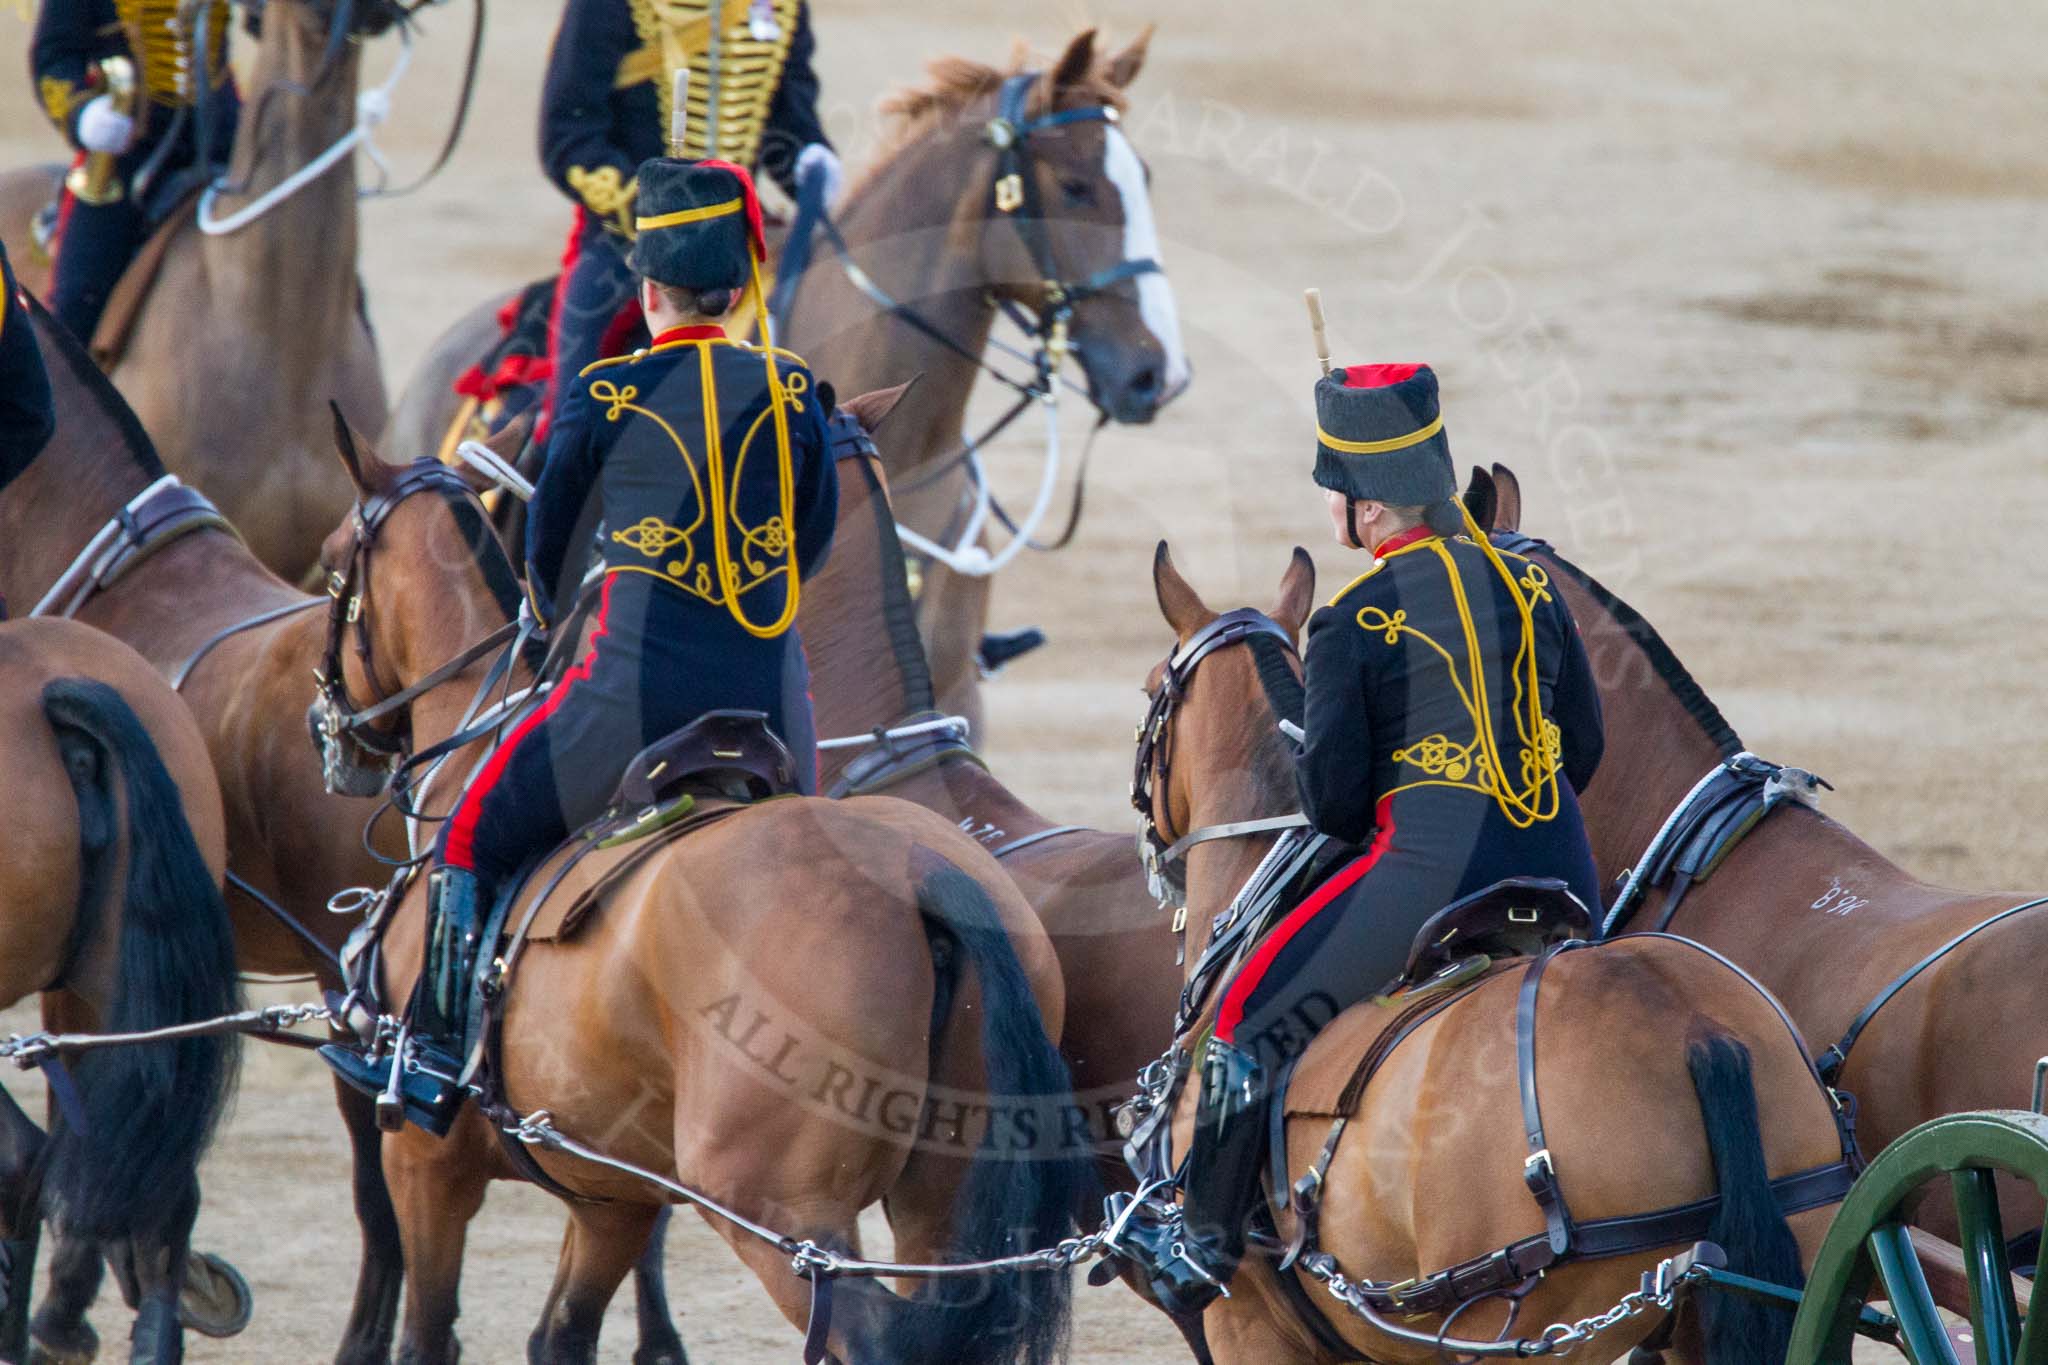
(1210, 752)
(339, 20)
(413, 578)
(1076, 243)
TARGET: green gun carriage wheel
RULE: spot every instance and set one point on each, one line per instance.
(1867, 1253)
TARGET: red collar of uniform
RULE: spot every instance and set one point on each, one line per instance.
(701, 332)
(1406, 538)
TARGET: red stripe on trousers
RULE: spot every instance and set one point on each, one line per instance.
(65, 202)
(1231, 1013)
(570, 253)
(460, 850)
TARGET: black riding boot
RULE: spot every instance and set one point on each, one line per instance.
(427, 1089)
(1188, 1258)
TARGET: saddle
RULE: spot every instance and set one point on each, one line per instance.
(717, 765)
(1517, 917)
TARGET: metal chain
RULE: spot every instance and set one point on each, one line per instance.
(1661, 1289)
(30, 1050)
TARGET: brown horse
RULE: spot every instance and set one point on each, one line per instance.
(110, 908)
(1431, 1169)
(926, 224)
(1822, 918)
(240, 329)
(800, 1010)
(288, 840)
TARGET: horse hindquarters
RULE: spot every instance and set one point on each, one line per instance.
(125, 1147)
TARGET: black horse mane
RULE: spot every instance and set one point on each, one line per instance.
(56, 338)
(1663, 662)
(899, 610)
(1283, 690)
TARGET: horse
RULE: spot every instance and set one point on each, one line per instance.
(238, 328)
(239, 644)
(1822, 918)
(1672, 1078)
(869, 938)
(110, 909)
(928, 225)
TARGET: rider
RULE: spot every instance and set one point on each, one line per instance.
(26, 416)
(706, 461)
(605, 107)
(126, 84)
(1447, 693)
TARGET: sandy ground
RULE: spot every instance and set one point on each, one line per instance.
(1755, 301)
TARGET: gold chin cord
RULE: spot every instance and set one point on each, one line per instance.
(94, 181)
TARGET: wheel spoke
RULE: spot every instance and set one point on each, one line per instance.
(2034, 1335)
(1994, 1317)
(1920, 1329)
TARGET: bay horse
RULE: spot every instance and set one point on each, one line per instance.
(924, 223)
(238, 329)
(1822, 918)
(1432, 1170)
(240, 644)
(110, 909)
(873, 941)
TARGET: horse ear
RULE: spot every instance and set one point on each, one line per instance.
(1124, 66)
(872, 408)
(1073, 66)
(357, 458)
(1482, 499)
(511, 439)
(1297, 593)
(1179, 603)
(1509, 490)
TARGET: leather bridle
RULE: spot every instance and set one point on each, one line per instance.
(339, 721)
(1152, 770)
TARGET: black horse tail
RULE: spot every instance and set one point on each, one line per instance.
(1025, 1181)
(125, 1148)
(1748, 1224)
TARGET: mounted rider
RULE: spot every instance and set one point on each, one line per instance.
(606, 107)
(1450, 721)
(705, 461)
(142, 91)
(27, 419)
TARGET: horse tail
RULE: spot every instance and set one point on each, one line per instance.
(1017, 1196)
(1748, 1223)
(125, 1148)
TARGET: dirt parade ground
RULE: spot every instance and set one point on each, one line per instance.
(1753, 298)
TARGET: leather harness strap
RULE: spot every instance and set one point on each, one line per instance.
(1023, 842)
(160, 514)
(1539, 1172)
(1831, 1062)
(222, 636)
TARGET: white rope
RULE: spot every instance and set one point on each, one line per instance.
(373, 107)
(959, 725)
(487, 462)
(967, 556)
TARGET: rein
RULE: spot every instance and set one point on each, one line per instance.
(373, 109)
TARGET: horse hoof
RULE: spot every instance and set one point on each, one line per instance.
(661, 1355)
(216, 1301)
(79, 1351)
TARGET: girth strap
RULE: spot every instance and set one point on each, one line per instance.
(1836, 1057)
(1539, 1172)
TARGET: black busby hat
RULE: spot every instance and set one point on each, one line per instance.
(1380, 436)
(697, 224)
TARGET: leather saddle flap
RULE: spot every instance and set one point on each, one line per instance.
(577, 874)
(724, 750)
(1517, 917)
(124, 305)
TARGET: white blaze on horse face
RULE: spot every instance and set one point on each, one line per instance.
(1141, 242)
